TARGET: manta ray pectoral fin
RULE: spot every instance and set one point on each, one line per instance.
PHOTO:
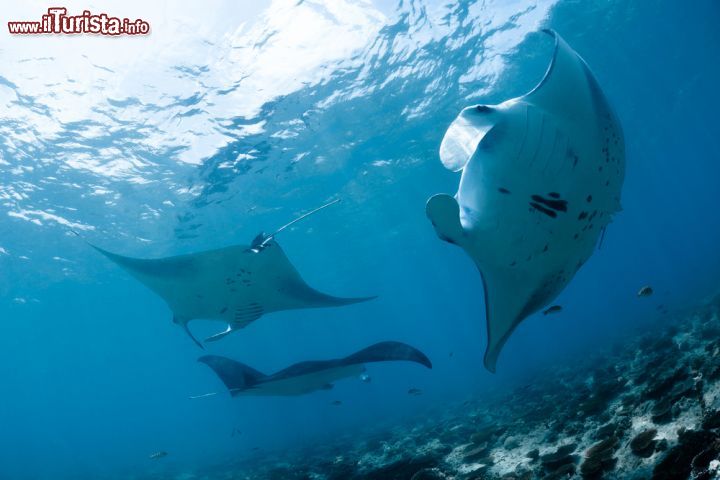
(388, 351)
(510, 297)
(315, 298)
(339, 301)
(568, 87)
(235, 375)
(464, 134)
(444, 213)
(219, 335)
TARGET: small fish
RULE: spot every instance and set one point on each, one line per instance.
(553, 309)
(236, 431)
(157, 455)
(365, 378)
(337, 403)
(328, 386)
(415, 392)
(645, 291)
(451, 354)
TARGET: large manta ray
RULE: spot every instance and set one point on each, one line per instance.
(306, 377)
(236, 284)
(541, 178)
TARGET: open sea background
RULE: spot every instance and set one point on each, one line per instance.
(235, 117)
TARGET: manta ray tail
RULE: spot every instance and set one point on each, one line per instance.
(267, 238)
(386, 352)
(235, 375)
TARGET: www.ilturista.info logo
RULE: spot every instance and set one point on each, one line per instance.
(57, 21)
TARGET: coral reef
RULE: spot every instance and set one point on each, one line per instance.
(646, 409)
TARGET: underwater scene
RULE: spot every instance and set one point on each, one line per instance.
(360, 239)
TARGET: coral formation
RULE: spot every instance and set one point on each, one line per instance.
(646, 409)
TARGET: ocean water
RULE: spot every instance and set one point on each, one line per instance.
(232, 118)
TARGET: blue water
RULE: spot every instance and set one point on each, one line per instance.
(228, 120)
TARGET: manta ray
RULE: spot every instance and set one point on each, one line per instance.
(541, 179)
(236, 284)
(310, 376)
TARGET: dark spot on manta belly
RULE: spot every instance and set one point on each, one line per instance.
(504, 190)
(554, 203)
(483, 108)
(546, 211)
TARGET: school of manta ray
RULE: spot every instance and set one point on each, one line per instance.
(540, 179)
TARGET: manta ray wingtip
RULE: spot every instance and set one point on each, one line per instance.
(330, 300)
(368, 298)
(425, 361)
(490, 362)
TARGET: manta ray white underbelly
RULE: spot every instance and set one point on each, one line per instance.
(541, 178)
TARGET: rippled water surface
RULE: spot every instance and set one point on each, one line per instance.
(232, 118)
